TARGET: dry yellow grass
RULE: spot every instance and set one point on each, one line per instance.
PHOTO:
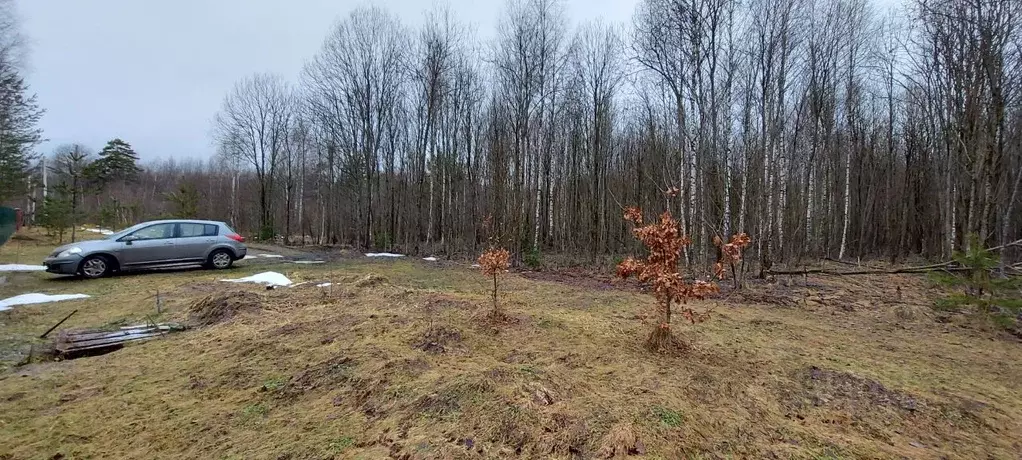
(397, 360)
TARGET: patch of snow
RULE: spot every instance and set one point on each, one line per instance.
(383, 254)
(324, 284)
(261, 256)
(267, 278)
(26, 299)
(429, 259)
(307, 262)
(21, 268)
(475, 265)
(101, 231)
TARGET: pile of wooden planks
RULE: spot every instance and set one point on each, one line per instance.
(95, 341)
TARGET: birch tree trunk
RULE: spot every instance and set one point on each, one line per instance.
(847, 207)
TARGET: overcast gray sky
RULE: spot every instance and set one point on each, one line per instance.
(154, 72)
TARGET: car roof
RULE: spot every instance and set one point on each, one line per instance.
(181, 221)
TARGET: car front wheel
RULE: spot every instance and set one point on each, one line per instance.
(220, 259)
(95, 267)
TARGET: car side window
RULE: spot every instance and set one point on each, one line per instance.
(210, 230)
(155, 232)
(190, 230)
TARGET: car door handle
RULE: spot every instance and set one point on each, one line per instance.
(169, 243)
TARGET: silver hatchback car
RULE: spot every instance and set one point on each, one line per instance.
(151, 244)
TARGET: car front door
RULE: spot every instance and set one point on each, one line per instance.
(152, 244)
(193, 239)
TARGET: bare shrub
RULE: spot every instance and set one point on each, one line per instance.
(664, 241)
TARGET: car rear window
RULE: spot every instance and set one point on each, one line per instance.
(187, 230)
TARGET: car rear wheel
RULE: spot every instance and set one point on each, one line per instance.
(220, 259)
(95, 267)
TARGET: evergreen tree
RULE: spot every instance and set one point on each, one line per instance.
(186, 202)
(19, 133)
(979, 285)
(73, 163)
(108, 215)
(55, 214)
(117, 162)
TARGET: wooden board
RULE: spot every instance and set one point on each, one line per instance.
(69, 342)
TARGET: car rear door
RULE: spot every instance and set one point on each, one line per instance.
(151, 244)
(194, 238)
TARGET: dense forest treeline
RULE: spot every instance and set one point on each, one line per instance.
(822, 128)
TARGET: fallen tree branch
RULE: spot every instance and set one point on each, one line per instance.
(943, 266)
(948, 266)
(853, 264)
(906, 270)
(1006, 245)
(48, 331)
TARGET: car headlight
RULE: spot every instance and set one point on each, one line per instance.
(68, 252)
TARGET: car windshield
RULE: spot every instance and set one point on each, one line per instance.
(118, 234)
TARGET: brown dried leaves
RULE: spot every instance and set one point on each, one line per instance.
(494, 261)
(730, 253)
(664, 242)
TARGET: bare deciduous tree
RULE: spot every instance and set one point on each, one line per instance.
(819, 127)
(252, 126)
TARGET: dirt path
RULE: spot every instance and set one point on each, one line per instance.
(583, 278)
(269, 253)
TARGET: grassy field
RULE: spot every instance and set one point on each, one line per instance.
(396, 360)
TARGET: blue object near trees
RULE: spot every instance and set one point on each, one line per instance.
(8, 223)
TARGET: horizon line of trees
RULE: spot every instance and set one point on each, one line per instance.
(822, 128)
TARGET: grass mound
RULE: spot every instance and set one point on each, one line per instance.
(621, 441)
(222, 306)
(438, 339)
(369, 280)
(826, 387)
(328, 374)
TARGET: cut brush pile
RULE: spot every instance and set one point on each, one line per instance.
(222, 306)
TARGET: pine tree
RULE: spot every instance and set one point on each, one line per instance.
(978, 286)
(186, 202)
(73, 163)
(117, 162)
(108, 214)
(19, 133)
(55, 215)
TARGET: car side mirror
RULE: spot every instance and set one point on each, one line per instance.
(128, 239)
